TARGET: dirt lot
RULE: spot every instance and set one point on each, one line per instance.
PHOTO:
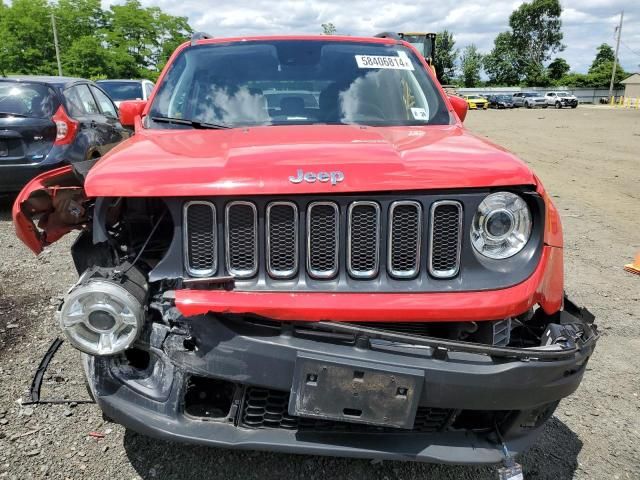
(588, 158)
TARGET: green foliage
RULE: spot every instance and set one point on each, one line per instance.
(328, 29)
(558, 69)
(503, 64)
(599, 75)
(519, 55)
(470, 65)
(126, 41)
(604, 54)
(445, 57)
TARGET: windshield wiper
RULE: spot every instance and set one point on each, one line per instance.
(191, 123)
(9, 114)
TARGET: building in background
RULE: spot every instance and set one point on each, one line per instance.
(632, 86)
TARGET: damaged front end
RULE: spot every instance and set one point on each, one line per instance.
(395, 375)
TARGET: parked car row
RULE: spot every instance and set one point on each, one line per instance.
(47, 122)
(522, 99)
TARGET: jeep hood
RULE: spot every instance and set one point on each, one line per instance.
(252, 161)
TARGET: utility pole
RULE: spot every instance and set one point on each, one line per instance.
(615, 57)
(55, 42)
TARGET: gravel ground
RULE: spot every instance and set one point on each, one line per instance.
(588, 159)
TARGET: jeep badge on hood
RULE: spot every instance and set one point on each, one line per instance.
(311, 177)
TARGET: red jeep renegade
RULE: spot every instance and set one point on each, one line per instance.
(302, 249)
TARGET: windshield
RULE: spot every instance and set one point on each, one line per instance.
(27, 99)
(505, 98)
(119, 91)
(532, 95)
(287, 82)
(563, 94)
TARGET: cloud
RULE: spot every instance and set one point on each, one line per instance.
(586, 23)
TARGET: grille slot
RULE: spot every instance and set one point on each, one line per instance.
(200, 238)
(282, 239)
(405, 237)
(363, 241)
(265, 408)
(241, 231)
(445, 239)
(322, 239)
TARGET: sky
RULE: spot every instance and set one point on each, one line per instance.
(585, 23)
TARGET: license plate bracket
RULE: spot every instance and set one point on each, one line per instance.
(347, 390)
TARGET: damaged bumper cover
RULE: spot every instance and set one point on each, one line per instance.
(467, 389)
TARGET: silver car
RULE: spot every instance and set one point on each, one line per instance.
(529, 100)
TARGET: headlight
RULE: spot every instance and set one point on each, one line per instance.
(501, 226)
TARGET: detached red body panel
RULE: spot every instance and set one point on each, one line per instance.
(544, 287)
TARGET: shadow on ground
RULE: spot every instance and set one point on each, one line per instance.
(6, 202)
(553, 457)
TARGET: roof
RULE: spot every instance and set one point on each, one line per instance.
(330, 38)
(123, 80)
(632, 80)
(48, 79)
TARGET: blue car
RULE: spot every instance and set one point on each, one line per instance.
(47, 122)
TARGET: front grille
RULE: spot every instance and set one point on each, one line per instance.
(282, 244)
(405, 235)
(265, 408)
(200, 238)
(322, 239)
(445, 240)
(241, 229)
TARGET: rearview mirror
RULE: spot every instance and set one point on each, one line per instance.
(459, 106)
(129, 110)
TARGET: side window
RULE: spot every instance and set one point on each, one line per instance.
(74, 103)
(88, 102)
(148, 87)
(106, 105)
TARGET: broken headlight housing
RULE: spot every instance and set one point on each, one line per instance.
(502, 225)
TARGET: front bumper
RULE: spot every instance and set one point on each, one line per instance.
(246, 355)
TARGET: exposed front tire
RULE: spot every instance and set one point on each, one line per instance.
(528, 105)
(558, 105)
(574, 106)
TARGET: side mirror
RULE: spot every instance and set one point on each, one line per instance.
(460, 106)
(130, 110)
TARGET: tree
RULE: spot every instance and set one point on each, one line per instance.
(125, 41)
(520, 53)
(536, 30)
(27, 40)
(604, 54)
(471, 64)
(328, 29)
(445, 57)
(558, 68)
(504, 65)
(4, 39)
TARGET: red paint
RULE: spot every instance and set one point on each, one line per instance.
(553, 224)
(460, 106)
(25, 228)
(544, 287)
(129, 110)
(259, 161)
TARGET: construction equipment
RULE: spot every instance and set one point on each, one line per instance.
(425, 43)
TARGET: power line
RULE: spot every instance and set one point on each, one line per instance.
(629, 48)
